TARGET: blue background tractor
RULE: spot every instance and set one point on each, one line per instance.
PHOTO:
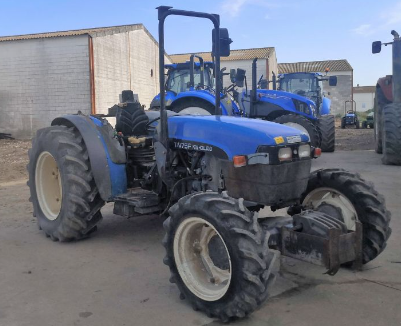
(207, 176)
(282, 107)
(350, 117)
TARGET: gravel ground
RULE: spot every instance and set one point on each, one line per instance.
(13, 159)
(354, 139)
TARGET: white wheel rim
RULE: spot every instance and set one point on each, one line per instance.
(197, 270)
(334, 198)
(194, 110)
(48, 185)
(297, 126)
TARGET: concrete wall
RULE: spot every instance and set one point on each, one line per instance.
(246, 65)
(364, 101)
(41, 79)
(125, 61)
(340, 93)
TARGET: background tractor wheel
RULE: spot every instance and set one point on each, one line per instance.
(342, 123)
(348, 197)
(193, 106)
(218, 255)
(65, 199)
(299, 122)
(391, 133)
(328, 132)
(364, 125)
(131, 120)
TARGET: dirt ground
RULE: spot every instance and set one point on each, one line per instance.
(117, 276)
(14, 153)
(13, 159)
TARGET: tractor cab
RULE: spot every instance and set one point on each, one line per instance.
(179, 77)
(308, 85)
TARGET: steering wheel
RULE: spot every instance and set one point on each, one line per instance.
(260, 79)
(299, 92)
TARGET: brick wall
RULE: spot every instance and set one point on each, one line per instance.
(127, 60)
(41, 79)
(340, 93)
(246, 65)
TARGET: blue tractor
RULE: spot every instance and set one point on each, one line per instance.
(310, 85)
(208, 176)
(190, 90)
(350, 117)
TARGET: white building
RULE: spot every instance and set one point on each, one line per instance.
(364, 96)
(46, 75)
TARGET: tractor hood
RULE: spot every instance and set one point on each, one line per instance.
(232, 135)
(282, 96)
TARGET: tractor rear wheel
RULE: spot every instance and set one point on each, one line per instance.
(328, 132)
(350, 198)
(193, 106)
(65, 199)
(301, 123)
(218, 255)
(131, 120)
(391, 133)
(380, 102)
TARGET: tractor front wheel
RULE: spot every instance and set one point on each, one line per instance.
(65, 199)
(391, 133)
(303, 124)
(218, 255)
(349, 198)
(328, 132)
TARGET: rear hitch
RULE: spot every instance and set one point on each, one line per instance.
(319, 239)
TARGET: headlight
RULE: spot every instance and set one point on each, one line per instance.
(312, 109)
(285, 154)
(304, 151)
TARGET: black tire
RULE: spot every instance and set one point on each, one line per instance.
(246, 242)
(364, 125)
(342, 123)
(391, 127)
(357, 124)
(193, 102)
(380, 102)
(131, 121)
(328, 131)
(368, 203)
(80, 200)
(310, 127)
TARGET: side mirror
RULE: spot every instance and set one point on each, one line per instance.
(240, 77)
(264, 84)
(376, 47)
(224, 41)
(333, 81)
(233, 75)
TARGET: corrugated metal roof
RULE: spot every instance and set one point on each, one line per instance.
(314, 66)
(243, 54)
(89, 31)
(364, 89)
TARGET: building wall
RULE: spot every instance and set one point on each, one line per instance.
(246, 65)
(340, 93)
(41, 79)
(124, 61)
(364, 101)
(272, 67)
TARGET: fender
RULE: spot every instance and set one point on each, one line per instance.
(203, 95)
(106, 155)
(325, 109)
(385, 83)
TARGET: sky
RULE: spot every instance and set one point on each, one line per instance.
(300, 30)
